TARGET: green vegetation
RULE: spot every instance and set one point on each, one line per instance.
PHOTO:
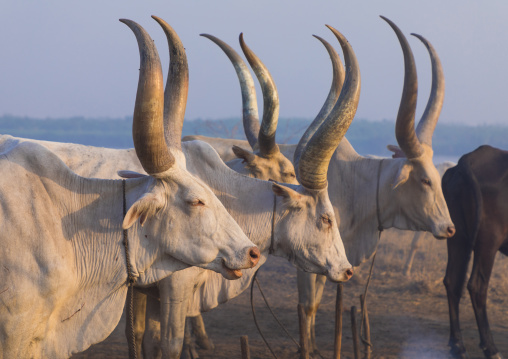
(367, 137)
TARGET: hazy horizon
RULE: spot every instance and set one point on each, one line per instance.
(63, 59)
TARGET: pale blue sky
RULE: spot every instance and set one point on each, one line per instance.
(63, 58)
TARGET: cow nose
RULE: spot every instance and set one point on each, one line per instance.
(450, 231)
(349, 273)
(254, 256)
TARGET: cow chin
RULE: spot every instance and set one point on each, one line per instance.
(443, 232)
(229, 273)
(307, 266)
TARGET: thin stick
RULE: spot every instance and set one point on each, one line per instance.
(366, 328)
(354, 329)
(244, 344)
(304, 341)
(338, 322)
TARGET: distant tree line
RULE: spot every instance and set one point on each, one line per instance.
(367, 137)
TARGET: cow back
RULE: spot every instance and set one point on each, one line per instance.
(476, 191)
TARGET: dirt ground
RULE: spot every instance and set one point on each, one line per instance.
(408, 316)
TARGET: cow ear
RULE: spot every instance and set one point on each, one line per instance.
(243, 154)
(397, 152)
(147, 206)
(403, 174)
(290, 196)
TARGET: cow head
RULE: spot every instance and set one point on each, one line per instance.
(308, 234)
(178, 214)
(417, 184)
(417, 190)
(264, 160)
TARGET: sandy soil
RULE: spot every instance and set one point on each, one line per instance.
(408, 316)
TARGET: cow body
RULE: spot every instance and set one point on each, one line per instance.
(64, 266)
(476, 191)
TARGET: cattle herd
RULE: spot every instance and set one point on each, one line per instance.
(186, 223)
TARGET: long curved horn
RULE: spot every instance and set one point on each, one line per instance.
(427, 123)
(405, 123)
(147, 125)
(177, 87)
(333, 95)
(249, 101)
(266, 137)
(312, 167)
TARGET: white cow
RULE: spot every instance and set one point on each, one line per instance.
(208, 289)
(403, 192)
(64, 266)
(296, 222)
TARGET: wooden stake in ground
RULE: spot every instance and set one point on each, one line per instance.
(304, 343)
(366, 328)
(338, 323)
(244, 344)
(354, 329)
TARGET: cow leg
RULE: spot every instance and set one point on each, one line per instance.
(320, 286)
(189, 348)
(478, 284)
(415, 244)
(152, 337)
(307, 297)
(174, 304)
(199, 331)
(139, 307)
(459, 254)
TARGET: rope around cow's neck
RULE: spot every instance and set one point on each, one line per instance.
(380, 229)
(254, 315)
(378, 210)
(272, 236)
(131, 279)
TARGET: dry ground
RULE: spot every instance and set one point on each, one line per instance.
(408, 316)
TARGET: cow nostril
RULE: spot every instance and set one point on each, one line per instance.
(254, 255)
(349, 273)
(451, 231)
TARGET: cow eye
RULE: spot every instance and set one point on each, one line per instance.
(197, 203)
(426, 182)
(326, 220)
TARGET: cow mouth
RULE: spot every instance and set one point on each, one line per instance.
(231, 273)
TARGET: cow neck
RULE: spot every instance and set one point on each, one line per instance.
(131, 278)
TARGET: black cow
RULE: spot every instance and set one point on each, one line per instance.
(476, 191)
